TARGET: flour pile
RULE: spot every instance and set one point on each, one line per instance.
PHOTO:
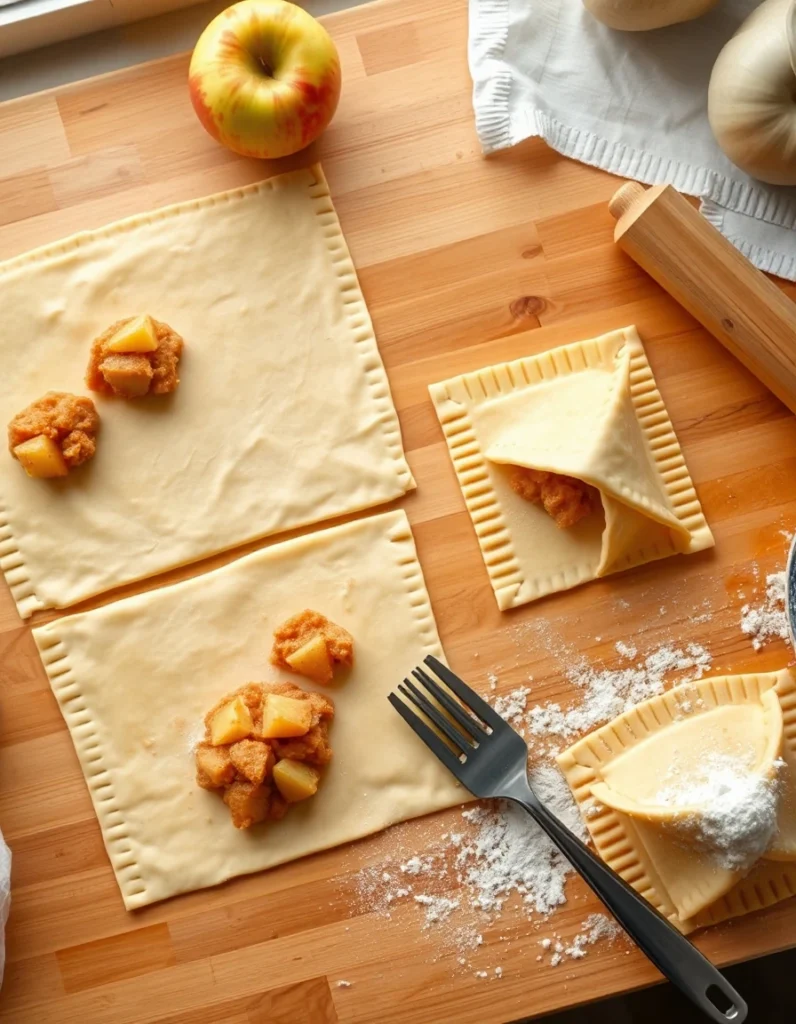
(510, 854)
(768, 621)
(500, 853)
(738, 811)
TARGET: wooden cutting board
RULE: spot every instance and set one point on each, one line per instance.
(464, 261)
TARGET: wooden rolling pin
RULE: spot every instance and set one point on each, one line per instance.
(709, 277)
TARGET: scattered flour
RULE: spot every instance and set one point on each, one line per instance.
(415, 865)
(738, 816)
(343, 984)
(499, 855)
(466, 879)
(767, 621)
(511, 707)
(609, 692)
(438, 908)
(595, 928)
(605, 692)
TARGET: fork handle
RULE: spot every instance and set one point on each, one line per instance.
(674, 956)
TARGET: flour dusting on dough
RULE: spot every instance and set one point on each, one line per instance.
(737, 819)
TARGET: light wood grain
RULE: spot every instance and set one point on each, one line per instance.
(464, 262)
(665, 235)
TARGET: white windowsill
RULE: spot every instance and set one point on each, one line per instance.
(32, 24)
(47, 43)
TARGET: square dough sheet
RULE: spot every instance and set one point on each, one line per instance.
(592, 411)
(135, 678)
(667, 872)
(283, 416)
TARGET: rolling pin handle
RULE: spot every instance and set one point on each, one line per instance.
(708, 276)
(625, 198)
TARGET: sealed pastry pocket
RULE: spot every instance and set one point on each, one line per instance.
(689, 795)
(569, 466)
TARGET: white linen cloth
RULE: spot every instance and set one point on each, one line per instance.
(632, 103)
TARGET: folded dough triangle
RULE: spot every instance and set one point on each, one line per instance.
(590, 411)
(584, 425)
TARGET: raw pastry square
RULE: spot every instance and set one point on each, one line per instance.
(591, 411)
(667, 873)
(283, 416)
(135, 678)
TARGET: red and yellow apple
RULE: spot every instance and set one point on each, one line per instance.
(265, 78)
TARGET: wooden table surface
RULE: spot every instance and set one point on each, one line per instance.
(464, 261)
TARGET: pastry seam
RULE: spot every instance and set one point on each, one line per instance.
(80, 238)
(88, 745)
(13, 567)
(480, 497)
(360, 323)
(411, 572)
(486, 514)
(667, 455)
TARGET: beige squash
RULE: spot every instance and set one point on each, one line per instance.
(642, 15)
(752, 94)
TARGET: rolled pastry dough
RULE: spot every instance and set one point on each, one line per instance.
(283, 417)
(589, 410)
(135, 677)
(678, 729)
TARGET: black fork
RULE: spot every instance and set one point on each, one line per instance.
(488, 757)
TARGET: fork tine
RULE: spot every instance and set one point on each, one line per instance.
(453, 707)
(427, 735)
(468, 697)
(421, 701)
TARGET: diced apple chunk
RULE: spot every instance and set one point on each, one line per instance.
(284, 717)
(295, 781)
(129, 374)
(312, 660)
(232, 722)
(214, 768)
(137, 335)
(41, 457)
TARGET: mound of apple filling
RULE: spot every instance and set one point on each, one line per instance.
(311, 645)
(134, 357)
(263, 749)
(54, 434)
